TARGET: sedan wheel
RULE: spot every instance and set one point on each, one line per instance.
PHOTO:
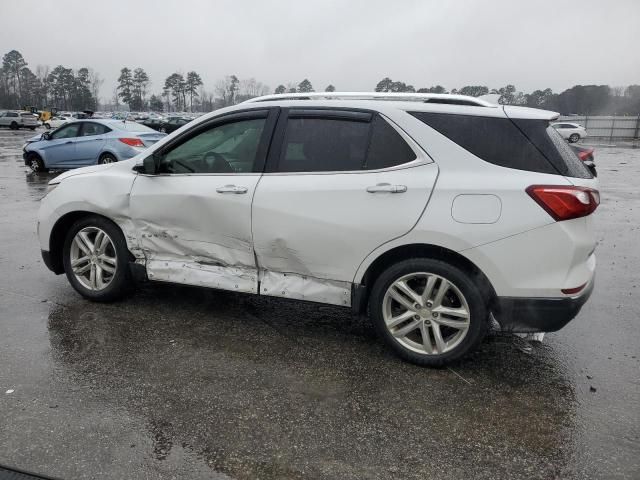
(107, 158)
(93, 258)
(574, 137)
(426, 313)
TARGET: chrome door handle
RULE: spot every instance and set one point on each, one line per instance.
(232, 189)
(387, 187)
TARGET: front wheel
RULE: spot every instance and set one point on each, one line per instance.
(574, 137)
(429, 312)
(47, 126)
(36, 164)
(14, 126)
(96, 259)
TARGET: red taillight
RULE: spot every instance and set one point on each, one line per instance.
(572, 291)
(132, 142)
(565, 203)
(585, 154)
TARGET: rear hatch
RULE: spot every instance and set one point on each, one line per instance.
(29, 119)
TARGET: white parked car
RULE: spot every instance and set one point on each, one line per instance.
(15, 119)
(57, 121)
(570, 131)
(429, 212)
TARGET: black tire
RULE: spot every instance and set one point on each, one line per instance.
(14, 126)
(36, 164)
(574, 137)
(32, 128)
(47, 126)
(106, 158)
(122, 282)
(466, 283)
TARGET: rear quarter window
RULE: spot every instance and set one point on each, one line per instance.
(553, 147)
(494, 140)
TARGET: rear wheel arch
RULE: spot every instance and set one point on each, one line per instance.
(106, 153)
(59, 234)
(418, 250)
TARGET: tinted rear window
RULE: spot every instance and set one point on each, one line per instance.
(387, 148)
(494, 140)
(319, 144)
(553, 147)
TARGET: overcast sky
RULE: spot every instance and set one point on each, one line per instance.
(351, 44)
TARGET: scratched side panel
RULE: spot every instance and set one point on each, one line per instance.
(191, 234)
(304, 287)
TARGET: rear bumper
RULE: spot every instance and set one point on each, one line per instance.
(527, 315)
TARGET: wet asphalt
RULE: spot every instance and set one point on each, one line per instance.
(180, 382)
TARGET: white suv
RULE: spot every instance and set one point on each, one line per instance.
(430, 212)
(15, 120)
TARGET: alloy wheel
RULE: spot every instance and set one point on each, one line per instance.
(426, 313)
(93, 258)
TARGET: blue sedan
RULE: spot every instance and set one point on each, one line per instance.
(87, 142)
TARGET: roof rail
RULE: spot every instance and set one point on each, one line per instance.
(393, 96)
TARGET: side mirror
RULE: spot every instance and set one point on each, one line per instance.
(148, 165)
(46, 136)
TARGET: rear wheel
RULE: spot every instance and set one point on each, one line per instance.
(13, 126)
(96, 259)
(36, 164)
(47, 126)
(574, 137)
(107, 158)
(429, 312)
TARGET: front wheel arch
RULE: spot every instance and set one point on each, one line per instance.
(59, 234)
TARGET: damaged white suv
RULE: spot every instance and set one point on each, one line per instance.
(432, 213)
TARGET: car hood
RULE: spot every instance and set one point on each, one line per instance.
(81, 171)
(35, 138)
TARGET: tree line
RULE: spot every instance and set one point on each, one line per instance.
(579, 99)
(69, 89)
(61, 87)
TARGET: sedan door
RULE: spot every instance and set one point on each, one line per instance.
(90, 142)
(193, 216)
(59, 151)
(338, 185)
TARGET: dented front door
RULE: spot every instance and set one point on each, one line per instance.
(193, 218)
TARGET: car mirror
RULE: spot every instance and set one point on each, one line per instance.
(46, 136)
(149, 165)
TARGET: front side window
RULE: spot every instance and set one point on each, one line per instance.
(228, 148)
(68, 131)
